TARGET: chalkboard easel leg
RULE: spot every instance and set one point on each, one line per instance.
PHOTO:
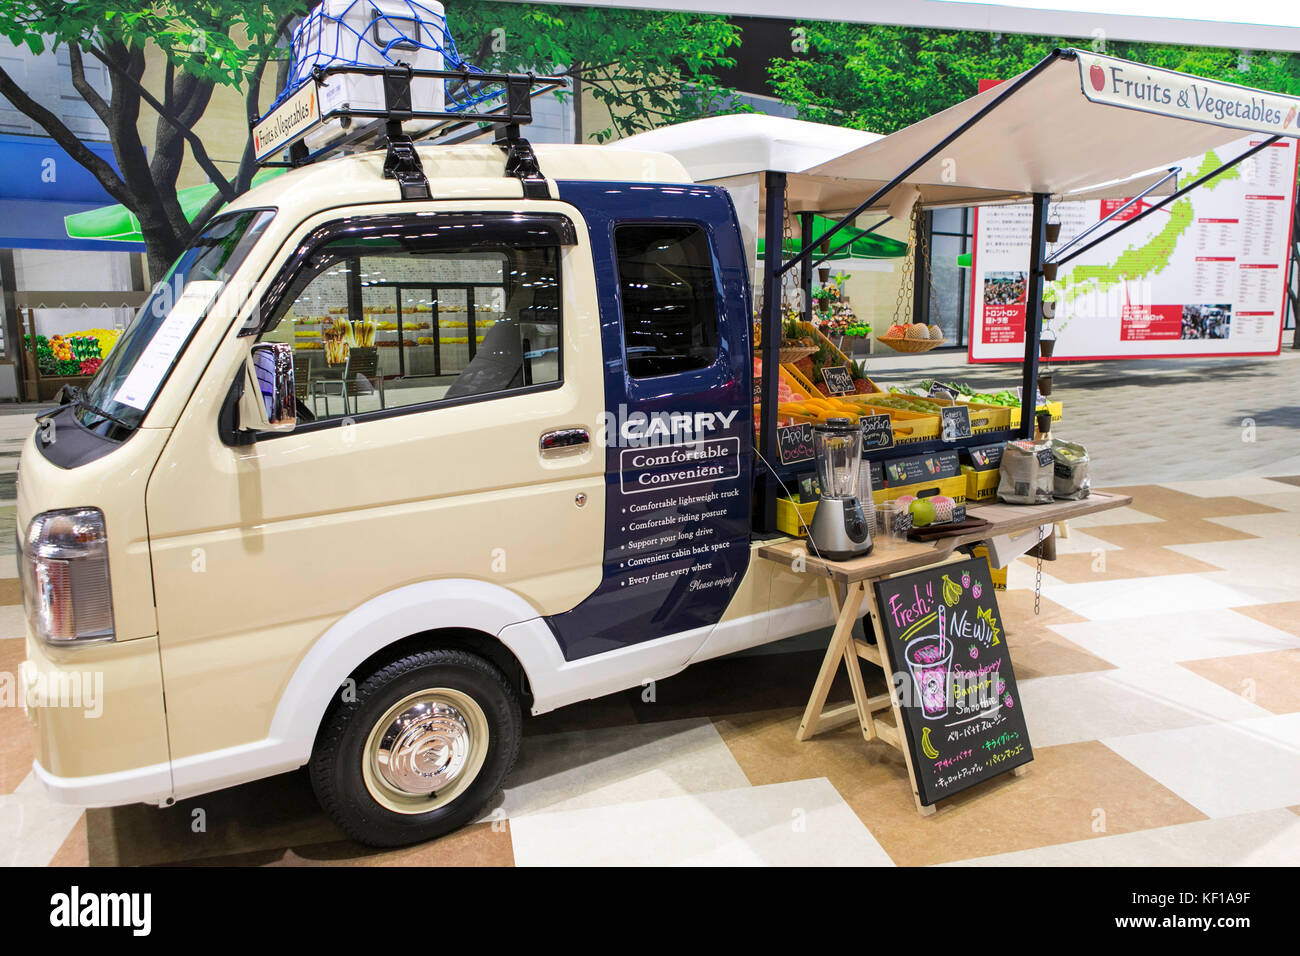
(839, 650)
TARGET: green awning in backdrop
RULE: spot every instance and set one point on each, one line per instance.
(866, 246)
(120, 224)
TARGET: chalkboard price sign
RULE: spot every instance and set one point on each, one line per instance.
(795, 442)
(877, 432)
(956, 422)
(838, 380)
(960, 705)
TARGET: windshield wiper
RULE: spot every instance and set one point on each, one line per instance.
(77, 397)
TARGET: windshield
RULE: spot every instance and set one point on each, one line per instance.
(121, 392)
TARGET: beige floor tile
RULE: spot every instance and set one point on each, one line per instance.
(1036, 649)
(10, 593)
(1172, 505)
(1271, 680)
(1138, 562)
(1116, 516)
(1270, 838)
(1285, 616)
(1170, 532)
(1056, 801)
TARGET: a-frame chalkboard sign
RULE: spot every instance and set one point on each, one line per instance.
(956, 693)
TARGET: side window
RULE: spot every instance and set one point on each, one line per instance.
(381, 322)
(670, 310)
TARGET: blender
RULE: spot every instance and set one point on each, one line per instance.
(839, 528)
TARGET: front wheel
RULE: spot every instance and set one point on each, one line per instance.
(427, 742)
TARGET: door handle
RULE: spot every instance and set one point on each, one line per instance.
(563, 439)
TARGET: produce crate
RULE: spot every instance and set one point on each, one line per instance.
(821, 339)
(791, 516)
(954, 488)
(1056, 408)
(908, 426)
(983, 418)
(981, 485)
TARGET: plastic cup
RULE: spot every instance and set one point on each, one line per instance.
(929, 659)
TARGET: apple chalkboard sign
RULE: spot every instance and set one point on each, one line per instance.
(961, 709)
(795, 443)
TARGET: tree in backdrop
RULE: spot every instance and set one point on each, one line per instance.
(647, 68)
(205, 44)
(883, 78)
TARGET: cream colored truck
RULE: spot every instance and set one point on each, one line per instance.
(369, 478)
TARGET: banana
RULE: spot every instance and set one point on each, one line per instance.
(951, 591)
(927, 748)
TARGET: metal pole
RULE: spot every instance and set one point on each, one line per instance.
(806, 226)
(1062, 249)
(1033, 315)
(774, 186)
(850, 241)
(1168, 199)
(1006, 91)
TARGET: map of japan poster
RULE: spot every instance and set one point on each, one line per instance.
(1203, 275)
(962, 717)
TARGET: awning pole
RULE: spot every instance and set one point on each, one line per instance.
(1168, 199)
(1062, 249)
(1033, 315)
(806, 225)
(774, 186)
(1008, 90)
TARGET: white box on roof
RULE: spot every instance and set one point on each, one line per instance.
(369, 33)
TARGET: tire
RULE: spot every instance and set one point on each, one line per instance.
(423, 748)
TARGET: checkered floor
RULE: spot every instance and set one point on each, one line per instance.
(1161, 684)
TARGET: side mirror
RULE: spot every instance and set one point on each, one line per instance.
(268, 403)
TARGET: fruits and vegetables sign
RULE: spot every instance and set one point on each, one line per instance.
(962, 718)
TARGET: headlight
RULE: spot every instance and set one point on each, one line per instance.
(64, 573)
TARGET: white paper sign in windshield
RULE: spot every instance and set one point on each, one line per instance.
(152, 366)
(1140, 87)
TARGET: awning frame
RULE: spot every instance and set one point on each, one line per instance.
(767, 488)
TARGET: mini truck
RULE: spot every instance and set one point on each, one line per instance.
(508, 466)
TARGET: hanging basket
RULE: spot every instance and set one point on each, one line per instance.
(900, 344)
(790, 353)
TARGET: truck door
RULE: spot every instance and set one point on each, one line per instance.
(674, 317)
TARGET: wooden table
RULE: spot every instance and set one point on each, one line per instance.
(856, 576)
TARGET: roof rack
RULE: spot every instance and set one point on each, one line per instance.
(287, 126)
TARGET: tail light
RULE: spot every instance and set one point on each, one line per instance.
(64, 571)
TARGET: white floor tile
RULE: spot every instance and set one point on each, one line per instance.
(1070, 708)
(1167, 638)
(1286, 501)
(804, 823)
(32, 827)
(1146, 597)
(1080, 542)
(1230, 487)
(1269, 838)
(584, 769)
(1105, 519)
(1223, 769)
(1274, 525)
(8, 566)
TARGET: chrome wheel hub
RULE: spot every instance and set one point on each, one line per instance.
(425, 748)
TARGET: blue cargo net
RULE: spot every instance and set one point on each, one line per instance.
(392, 35)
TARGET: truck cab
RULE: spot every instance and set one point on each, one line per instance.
(377, 472)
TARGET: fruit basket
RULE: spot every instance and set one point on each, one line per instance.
(916, 337)
(903, 344)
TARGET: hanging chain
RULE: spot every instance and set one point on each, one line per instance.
(792, 281)
(916, 239)
(1038, 574)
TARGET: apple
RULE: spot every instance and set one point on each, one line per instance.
(1098, 77)
(922, 512)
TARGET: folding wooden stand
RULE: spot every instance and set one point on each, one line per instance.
(845, 648)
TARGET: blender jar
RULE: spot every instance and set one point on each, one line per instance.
(838, 446)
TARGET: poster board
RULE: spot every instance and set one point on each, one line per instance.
(1204, 275)
(959, 704)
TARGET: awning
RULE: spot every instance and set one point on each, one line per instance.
(1073, 122)
(117, 223)
(865, 246)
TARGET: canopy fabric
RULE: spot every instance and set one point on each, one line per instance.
(119, 224)
(718, 147)
(1077, 122)
(865, 246)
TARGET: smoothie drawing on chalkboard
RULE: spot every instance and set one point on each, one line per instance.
(929, 659)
